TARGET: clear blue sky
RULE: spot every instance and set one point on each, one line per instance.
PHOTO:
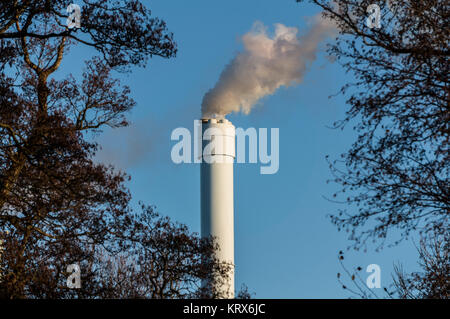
(285, 247)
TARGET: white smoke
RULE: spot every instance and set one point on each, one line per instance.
(265, 65)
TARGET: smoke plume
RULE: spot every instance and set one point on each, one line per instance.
(266, 64)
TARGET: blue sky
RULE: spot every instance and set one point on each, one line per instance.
(285, 247)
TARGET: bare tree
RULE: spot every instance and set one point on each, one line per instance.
(396, 174)
(433, 282)
(394, 179)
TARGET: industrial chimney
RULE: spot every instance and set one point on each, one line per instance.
(217, 210)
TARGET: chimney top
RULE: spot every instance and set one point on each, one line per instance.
(215, 120)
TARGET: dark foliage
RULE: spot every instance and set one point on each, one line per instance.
(59, 207)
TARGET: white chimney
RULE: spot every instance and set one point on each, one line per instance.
(217, 209)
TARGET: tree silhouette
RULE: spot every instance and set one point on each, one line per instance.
(153, 258)
(396, 174)
(58, 206)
